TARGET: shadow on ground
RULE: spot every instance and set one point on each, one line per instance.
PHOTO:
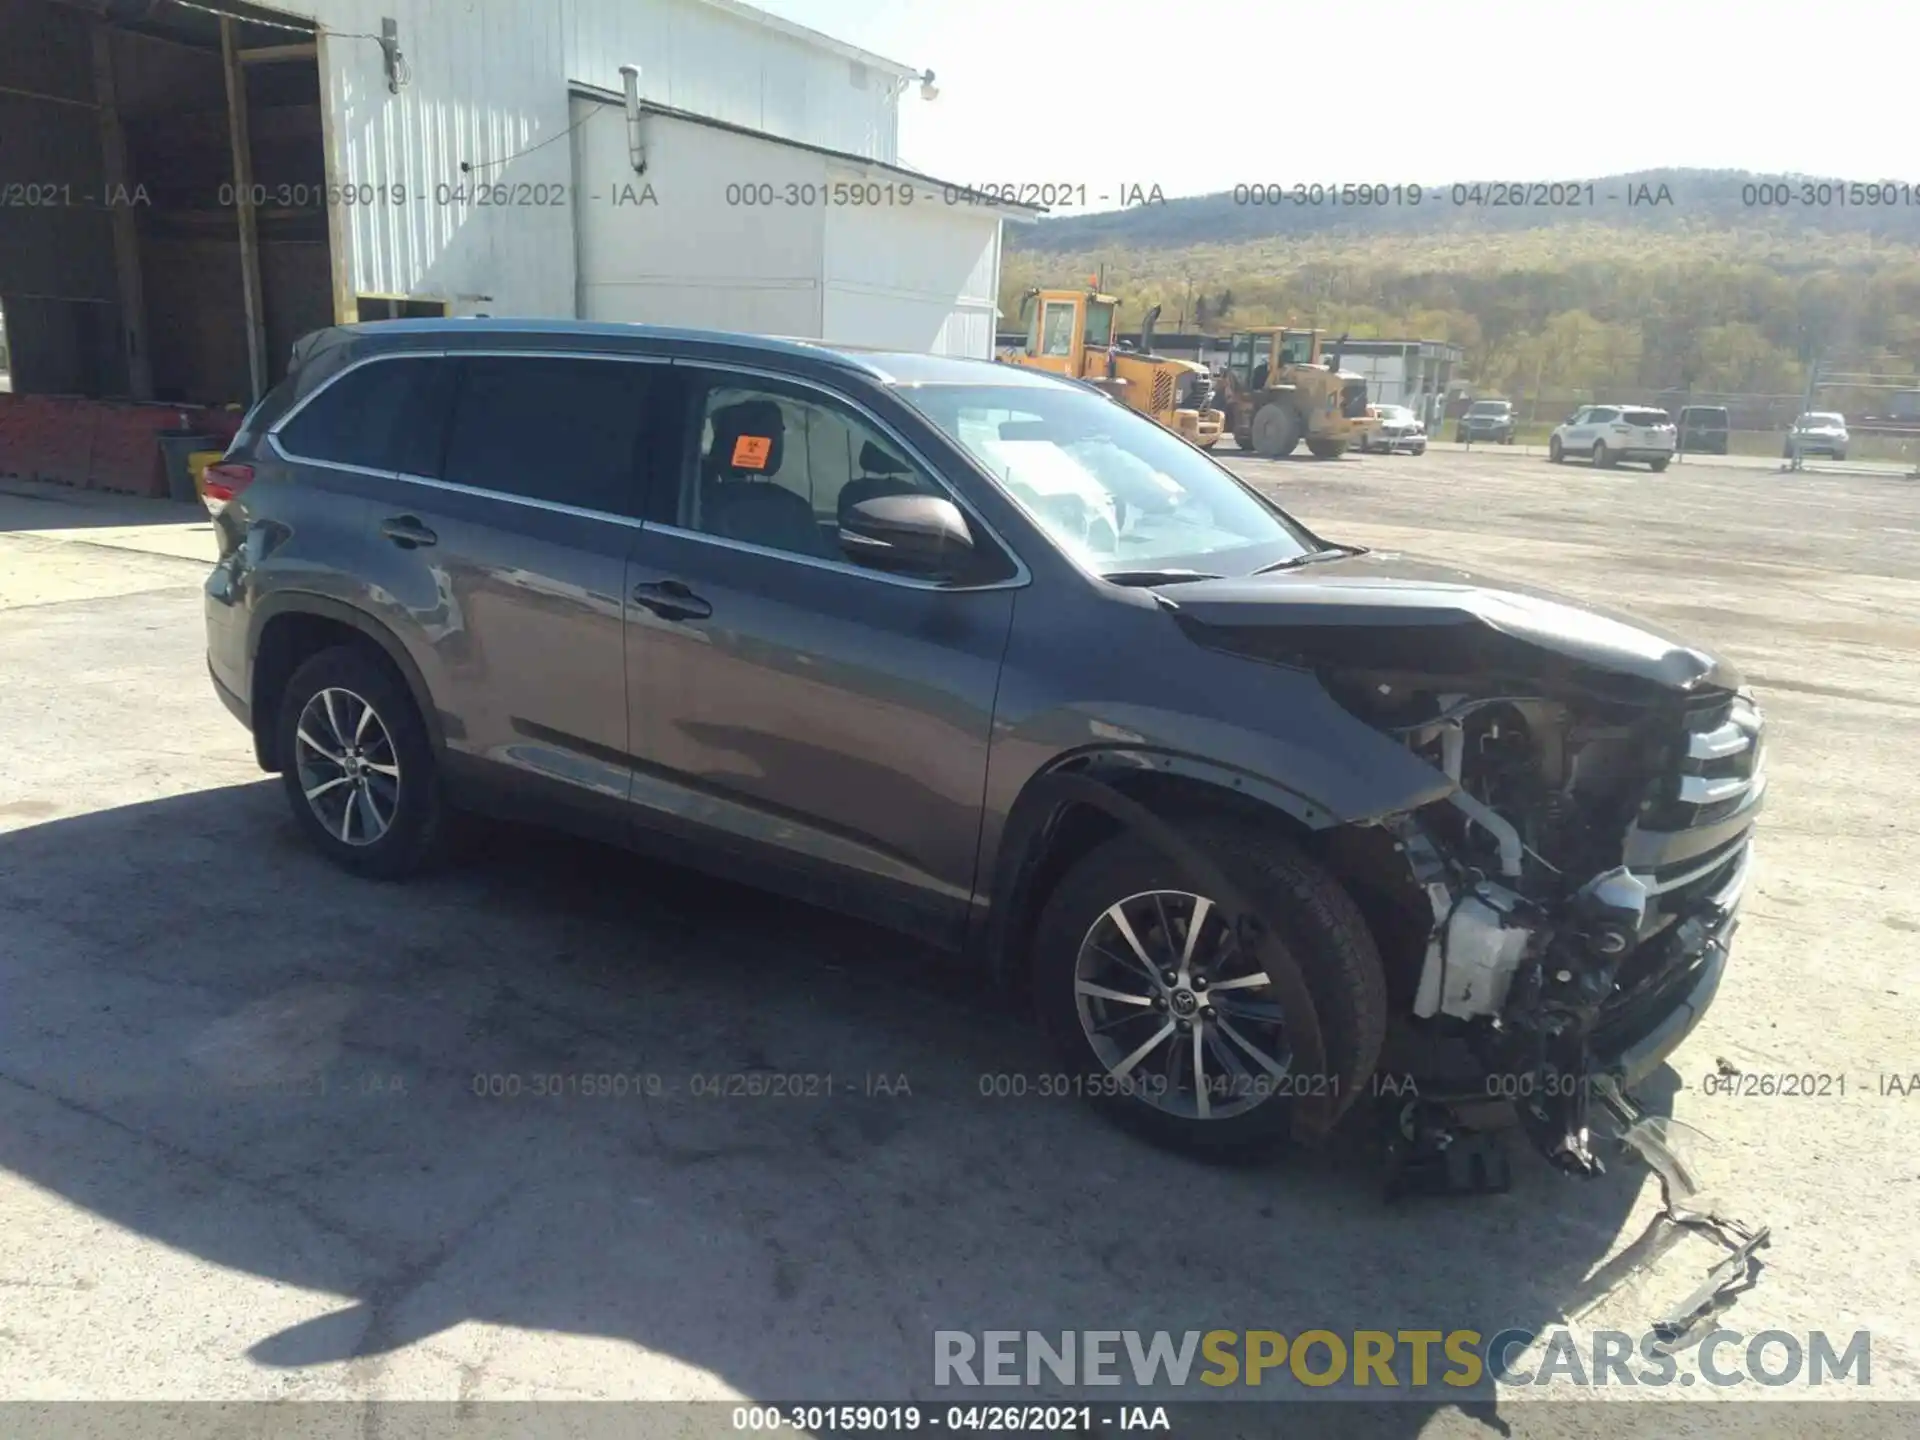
(216, 1040)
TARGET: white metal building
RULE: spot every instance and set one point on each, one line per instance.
(730, 227)
(332, 160)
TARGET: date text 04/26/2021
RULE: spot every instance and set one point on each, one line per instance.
(961, 1419)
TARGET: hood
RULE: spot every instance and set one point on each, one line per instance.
(1391, 611)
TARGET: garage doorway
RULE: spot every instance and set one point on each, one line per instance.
(137, 276)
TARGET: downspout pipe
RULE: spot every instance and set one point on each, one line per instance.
(636, 148)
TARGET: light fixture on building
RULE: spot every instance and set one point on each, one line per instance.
(928, 90)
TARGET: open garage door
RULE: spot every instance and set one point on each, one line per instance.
(175, 241)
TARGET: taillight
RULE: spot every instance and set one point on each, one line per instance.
(224, 482)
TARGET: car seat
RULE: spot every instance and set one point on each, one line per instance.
(741, 502)
(881, 473)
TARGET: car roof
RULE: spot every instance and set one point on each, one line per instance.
(890, 367)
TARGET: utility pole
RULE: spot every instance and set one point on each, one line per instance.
(1806, 404)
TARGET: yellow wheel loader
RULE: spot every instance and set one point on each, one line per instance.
(1278, 390)
(1071, 333)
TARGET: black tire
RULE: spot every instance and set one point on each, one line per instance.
(1326, 449)
(1556, 453)
(1601, 460)
(1305, 909)
(1276, 430)
(1656, 465)
(414, 835)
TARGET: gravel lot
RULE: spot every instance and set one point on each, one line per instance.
(242, 1155)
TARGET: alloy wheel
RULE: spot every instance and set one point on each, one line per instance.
(1176, 1012)
(347, 765)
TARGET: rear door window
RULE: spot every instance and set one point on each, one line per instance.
(385, 414)
(553, 429)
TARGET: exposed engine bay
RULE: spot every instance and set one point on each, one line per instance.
(1583, 876)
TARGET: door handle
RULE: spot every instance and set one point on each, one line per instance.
(671, 600)
(406, 531)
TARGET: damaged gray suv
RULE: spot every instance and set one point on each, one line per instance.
(982, 656)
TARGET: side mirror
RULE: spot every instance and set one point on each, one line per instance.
(923, 535)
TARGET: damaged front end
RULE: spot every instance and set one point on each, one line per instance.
(1584, 878)
(1567, 907)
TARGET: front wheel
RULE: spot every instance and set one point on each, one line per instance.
(358, 766)
(1164, 1021)
(1326, 449)
(1276, 431)
(1555, 452)
(1656, 465)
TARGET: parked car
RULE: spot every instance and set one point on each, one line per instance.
(972, 652)
(1487, 420)
(1704, 428)
(1609, 434)
(1393, 427)
(1819, 432)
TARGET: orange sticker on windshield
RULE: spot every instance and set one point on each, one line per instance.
(750, 452)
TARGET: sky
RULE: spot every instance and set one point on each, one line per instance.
(1199, 97)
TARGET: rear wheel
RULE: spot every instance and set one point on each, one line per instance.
(1328, 449)
(1276, 431)
(1554, 451)
(1168, 1025)
(1656, 466)
(357, 765)
(1601, 460)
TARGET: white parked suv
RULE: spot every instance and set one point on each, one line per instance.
(1608, 434)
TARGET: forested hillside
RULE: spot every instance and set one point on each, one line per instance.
(1700, 290)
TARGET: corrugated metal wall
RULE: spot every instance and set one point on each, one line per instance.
(920, 277)
(693, 258)
(485, 89)
(698, 57)
(721, 247)
(455, 188)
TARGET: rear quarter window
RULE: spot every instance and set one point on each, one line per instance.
(384, 414)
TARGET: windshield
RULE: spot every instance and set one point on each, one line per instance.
(1395, 412)
(1488, 407)
(1111, 488)
(1099, 326)
(1821, 421)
